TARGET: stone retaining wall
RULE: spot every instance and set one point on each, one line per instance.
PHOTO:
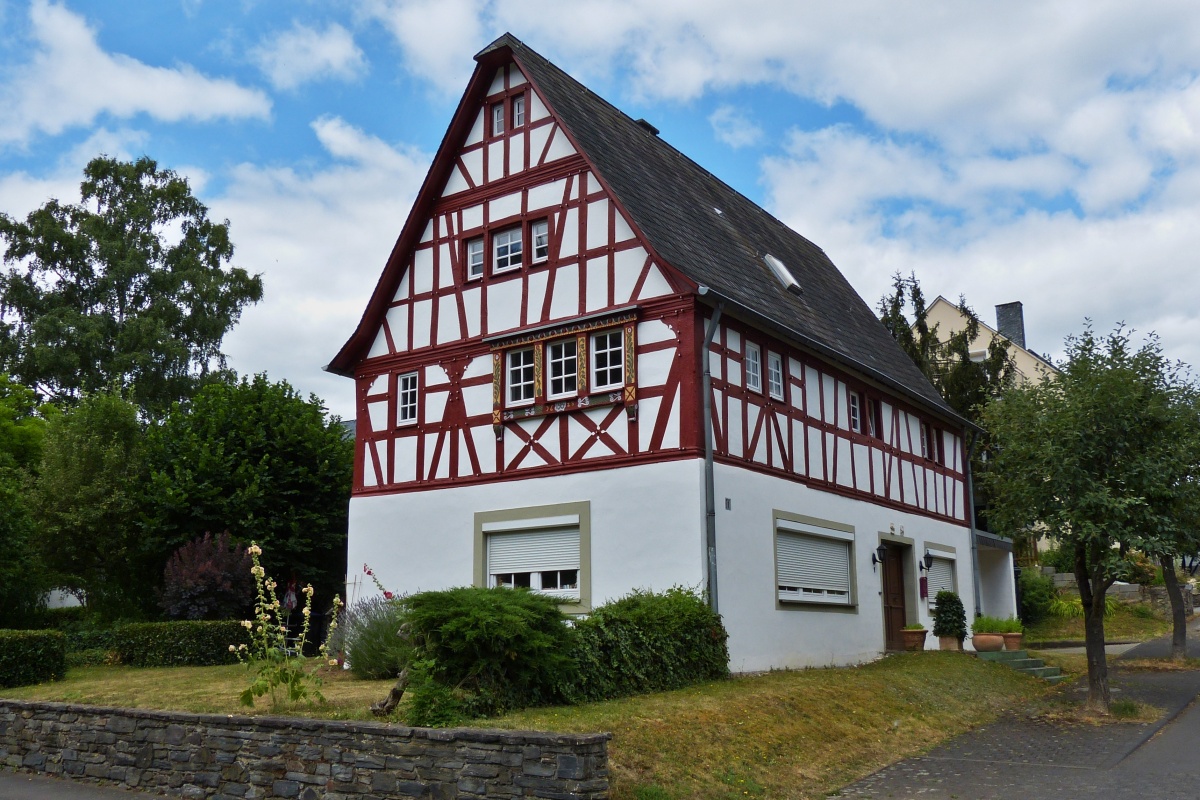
(222, 757)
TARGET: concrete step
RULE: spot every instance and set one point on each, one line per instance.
(1053, 679)
(1003, 655)
(1043, 672)
(1024, 663)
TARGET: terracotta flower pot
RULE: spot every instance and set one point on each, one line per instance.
(988, 642)
(914, 640)
(949, 643)
(1014, 641)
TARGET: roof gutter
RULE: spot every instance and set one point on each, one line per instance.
(710, 492)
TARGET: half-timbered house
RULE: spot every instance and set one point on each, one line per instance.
(589, 366)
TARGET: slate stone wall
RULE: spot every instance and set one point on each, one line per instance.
(214, 756)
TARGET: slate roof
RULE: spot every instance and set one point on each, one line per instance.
(674, 203)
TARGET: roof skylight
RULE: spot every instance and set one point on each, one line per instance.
(784, 274)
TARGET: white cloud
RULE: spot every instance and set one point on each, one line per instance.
(69, 82)
(733, 127)
(320, 239)
(437, 37)
(305, 54)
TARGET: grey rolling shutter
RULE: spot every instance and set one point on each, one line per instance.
(812, 568)
(533, 551)
(940, 577)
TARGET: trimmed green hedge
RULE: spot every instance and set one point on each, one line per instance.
(649, 642)
(31, 657)
(183, 643)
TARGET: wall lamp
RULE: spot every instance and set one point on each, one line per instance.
(926, 562)
(877, 556)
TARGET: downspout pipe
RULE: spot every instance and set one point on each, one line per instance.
(710, 498)
(971, 505)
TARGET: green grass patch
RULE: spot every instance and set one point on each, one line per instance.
(1126, 623)
(797, 733)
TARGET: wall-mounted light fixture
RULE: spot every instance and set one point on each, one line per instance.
(877, 556)
(926, 562)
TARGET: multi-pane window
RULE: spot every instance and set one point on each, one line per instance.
(562, 359)
(812, 568)
(856, 412)
(607, 360)
(406, 399)
(520, 376)
(506, 249)
(474, 255)
(497, 119)
(518, 111)
(544, 560)
(925, 440)
(753, 367)
(775, 383)
(874, 420)
(539, 233)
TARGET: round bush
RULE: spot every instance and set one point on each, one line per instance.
(370, 638)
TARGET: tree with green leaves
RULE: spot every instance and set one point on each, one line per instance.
(258, 460)
(132, 287)
(86, 504)
(1085, 457)
(945, 356)
(23, 580)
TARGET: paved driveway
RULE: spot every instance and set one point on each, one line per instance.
(22, 786)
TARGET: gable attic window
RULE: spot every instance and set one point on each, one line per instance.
(518, 111)
(498, 118)
(775, 384)
(782, 273)
(856, 412)
(406, 399)
(473, 251)
(506, 249)
(539, 235)
(753, 367)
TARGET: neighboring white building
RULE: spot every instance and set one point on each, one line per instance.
(533, 405)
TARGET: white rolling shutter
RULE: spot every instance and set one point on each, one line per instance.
(812, 568)
(940, 578)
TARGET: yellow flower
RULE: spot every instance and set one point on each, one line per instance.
(333, 662)
(254, 550)
(306, 611)
(308, 590)
(247, 624)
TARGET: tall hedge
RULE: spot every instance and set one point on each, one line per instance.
(184, 643)
(31, 657)
(649, 642)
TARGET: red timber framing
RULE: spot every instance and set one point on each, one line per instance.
(808, 436)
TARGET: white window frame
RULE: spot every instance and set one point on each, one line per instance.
(507, 249)
(562, 365)
(614, 360)
(753, 367)
(528, 387)
(776, 385)
(874, 418)
(518, 111)
(800, 577)
(855, 404)
(407, 396)
(924, 427)
(539, 238)
(473, 254)
(497, 118)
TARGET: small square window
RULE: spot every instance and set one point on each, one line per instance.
(518, 111)
(406, 399)
(506, 249)
(562, 358)
(474, 256)
(775, 384)
(520, 377)
(539, 232)
(608, 361)
(497, 119)
(753, 367)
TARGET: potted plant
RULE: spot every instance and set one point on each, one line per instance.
(1014, 634)
(988, 634)
(914, 637)
(949, 621)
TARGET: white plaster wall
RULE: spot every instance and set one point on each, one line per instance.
(996, 583)
(763, 635)
(647, 528)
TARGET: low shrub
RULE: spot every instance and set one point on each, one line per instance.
(949, 617)
(31, 657)
(368, 635)
(986, 624)
(208, 578)
(648, 642)
(1061, 558)
(96, 657)
(1071, 607)
(194, 643)
(1037, 592)
(496, 649)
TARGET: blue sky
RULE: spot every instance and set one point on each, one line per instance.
(1035, 151)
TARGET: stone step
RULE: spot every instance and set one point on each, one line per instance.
(1003, 655)
(1043, 672)
(1053, 679)
(1024, 663)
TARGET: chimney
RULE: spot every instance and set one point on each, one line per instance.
(1010, 321)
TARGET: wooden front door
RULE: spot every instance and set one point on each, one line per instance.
(895, 615)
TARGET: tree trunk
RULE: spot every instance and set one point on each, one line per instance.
(1091, 593)
(1178, 619)
(388, 704)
